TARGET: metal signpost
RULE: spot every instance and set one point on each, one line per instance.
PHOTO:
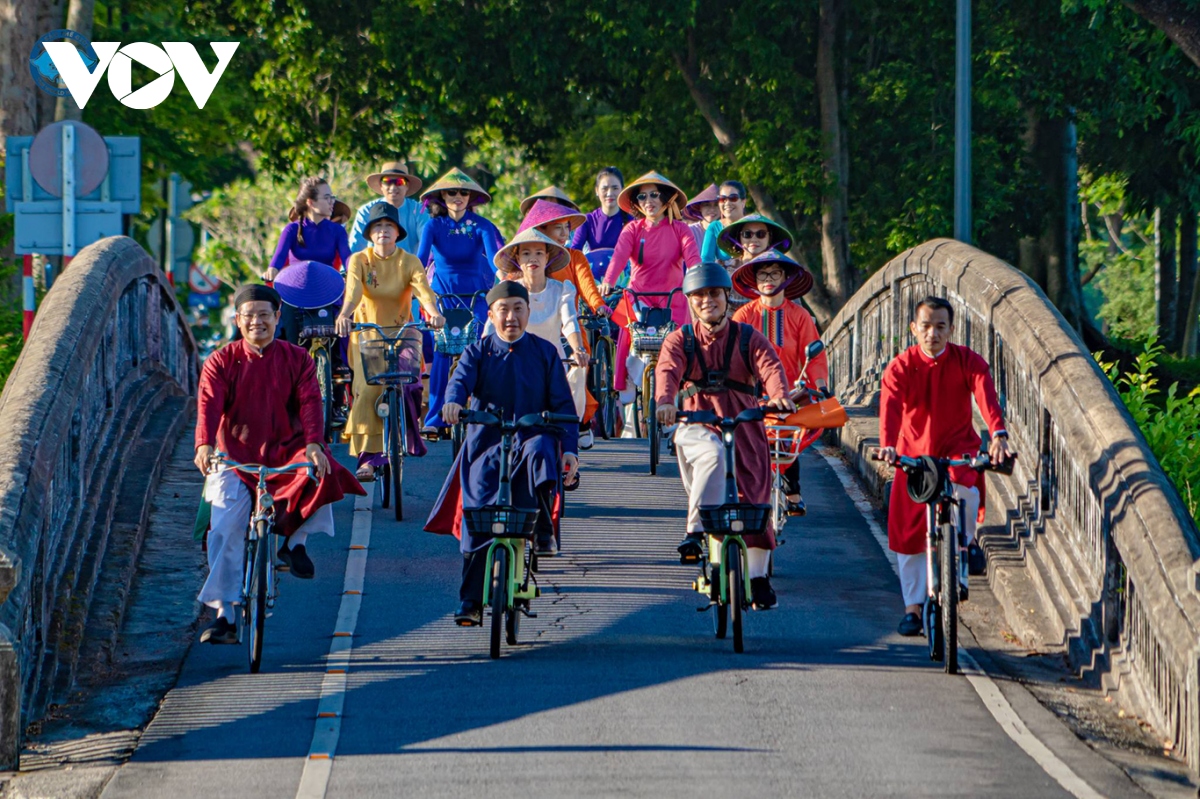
(68, 187)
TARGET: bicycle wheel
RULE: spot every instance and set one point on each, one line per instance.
(721, 609)
(737, 595)
(653, 430)
(325, 383)
(256, 601)
(499, 597)
(949, 594)
(395, 448)
(602, 380)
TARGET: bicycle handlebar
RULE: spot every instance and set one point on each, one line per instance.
(980, 463)
(471, 297)
(545, 418)
(221, 462)
(359, 327)
(725, 423)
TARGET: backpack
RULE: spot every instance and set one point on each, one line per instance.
(714, 381)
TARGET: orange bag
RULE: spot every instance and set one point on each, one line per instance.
(818, 415)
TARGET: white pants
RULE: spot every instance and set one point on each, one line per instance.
(577, 380)
(702, 466)
(231, 508)
(913, 575)
(635, 368)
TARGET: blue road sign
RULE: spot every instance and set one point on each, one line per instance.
(123, 184)
(39, 225)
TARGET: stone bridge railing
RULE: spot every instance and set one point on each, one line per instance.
(103, 384)
(1093, 522)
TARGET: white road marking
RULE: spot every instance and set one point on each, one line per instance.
(987, 689)
(314, 780)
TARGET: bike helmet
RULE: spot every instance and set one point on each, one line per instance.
(706, 276)
(923, 486)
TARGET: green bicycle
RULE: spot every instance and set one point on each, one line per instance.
(509, 585)
(726, 584)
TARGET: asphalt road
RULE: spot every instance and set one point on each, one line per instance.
(620, 688)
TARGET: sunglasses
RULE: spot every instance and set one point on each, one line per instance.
(728, 198)
(649, 195)
(456, 193)
(754, 234)
(394, 182)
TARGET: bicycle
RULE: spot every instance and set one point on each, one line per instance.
(260, 587)
(788, 435)
(318, 335)
(384, 364)
(600, 383)
(946, 523)
(461, 329)
(724, 527)
(510, 584)
(647, 330)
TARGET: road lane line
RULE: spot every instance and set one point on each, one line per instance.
(984, 686)
(318, 766)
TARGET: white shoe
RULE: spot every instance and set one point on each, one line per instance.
(586, 439)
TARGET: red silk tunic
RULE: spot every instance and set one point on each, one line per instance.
(753, 458)
(790, 329)
(925, 409)
(265, 408)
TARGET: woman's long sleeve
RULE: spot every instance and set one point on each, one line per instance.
(287, 240)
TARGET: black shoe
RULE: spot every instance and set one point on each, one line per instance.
(797, 508)
(691, 548)
(910, 625)
(762, 594)
(469, 614)
(222, 631)
(545, 548)
(338, 417)
(964, 592)
(976, 559)
(297, 561)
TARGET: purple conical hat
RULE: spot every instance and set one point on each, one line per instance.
(310, 284)
(543, 212)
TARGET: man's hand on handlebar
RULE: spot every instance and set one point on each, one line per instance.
(666, 415)
(450, 412)
(570, 467)
(204, 458)
(780, 404)
(315, 453)
(998, 450)
(887, 454)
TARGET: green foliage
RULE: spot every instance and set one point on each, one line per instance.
(1170, 422)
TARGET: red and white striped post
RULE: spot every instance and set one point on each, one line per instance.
(27, 294)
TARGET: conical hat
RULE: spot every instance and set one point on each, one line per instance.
(506, 259)
(543, 212)
(709, 195)
(781, 237)
(626, 202)
(456, 179)
(552, 193)
(309, 284)
(800, 280)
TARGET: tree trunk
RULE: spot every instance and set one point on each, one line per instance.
(80, 18)
(835, 249)
(1179, 19)
(1189, 283)
(1051, 257)
(1166, 285)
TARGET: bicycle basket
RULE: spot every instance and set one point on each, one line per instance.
(461, 329)
(784, 443)
(316, 323)
(738, 518)
(646, 338)
(500, 520)
(384, 365)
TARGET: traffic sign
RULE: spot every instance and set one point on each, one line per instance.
(122, 183)
(201, 283)
(39, 226)
(47, 161)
